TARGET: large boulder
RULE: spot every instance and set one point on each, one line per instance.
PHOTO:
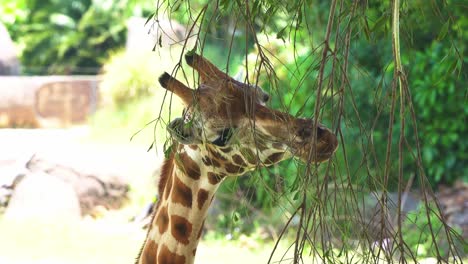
(454, 204)
(9, 63)
(12, 171)
(41, 196)
(94, 191)
(42, 179)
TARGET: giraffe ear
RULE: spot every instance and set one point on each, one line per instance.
(183, 92)
(183, 132)
(207, 70)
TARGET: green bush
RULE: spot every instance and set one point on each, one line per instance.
(418, 237)
(67, 37)
(128, 77)
(131, 96)
(439, 95)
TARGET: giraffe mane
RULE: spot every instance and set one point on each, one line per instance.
(166, 171)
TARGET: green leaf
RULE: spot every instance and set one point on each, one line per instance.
(168, 151)
(296, 196)
(379, 23)
(235, 217)
(443, 31)
(151, 146)
(365, 27)
(176, 7)
(149, 18)
(453, 67)
(192, 51)
(281, 33)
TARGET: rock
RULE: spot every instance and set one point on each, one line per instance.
(9, 63)
(40, 196)
(11, 173)
(93, 190)
(454, 204)
(372, 211)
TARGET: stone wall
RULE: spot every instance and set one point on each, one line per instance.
(47, 101)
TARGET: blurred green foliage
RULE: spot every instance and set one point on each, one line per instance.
(417, 235)
(129, 77)
(68, 37)
(132, 98)
(439, 94)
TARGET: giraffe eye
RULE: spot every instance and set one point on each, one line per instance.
(224, 137)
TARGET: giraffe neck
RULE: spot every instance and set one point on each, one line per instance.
(186, 189)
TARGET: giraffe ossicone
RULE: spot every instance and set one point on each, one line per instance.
(226, 130)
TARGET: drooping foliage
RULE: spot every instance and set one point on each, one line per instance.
(392, 88)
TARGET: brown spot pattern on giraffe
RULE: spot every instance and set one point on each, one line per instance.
(211, 162)
(181, 229)
(188, 165)
(165, 256)
(215, 155)
(150, 252)
(214, 178)
(261, 145)
(193, 146)
(162, 219)
(249, 155)
(202, 196)
(181, 193)
(274, 158)
(232, 168)
(239, 160)
(277, 145)
(226, 149)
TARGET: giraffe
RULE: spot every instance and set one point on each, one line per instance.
(225, 130)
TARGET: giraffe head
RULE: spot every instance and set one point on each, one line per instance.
(239, 131)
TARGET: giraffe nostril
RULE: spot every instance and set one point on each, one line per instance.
(306, 132)
(320, 132)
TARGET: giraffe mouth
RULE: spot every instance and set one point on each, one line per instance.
(326, 146)
(182, 131)
(309, 150)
